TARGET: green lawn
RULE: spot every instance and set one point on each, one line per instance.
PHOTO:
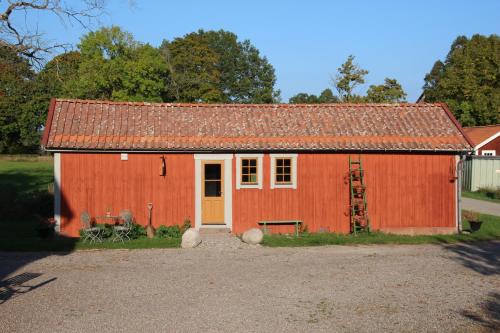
(25, 174)
(478, 196)
(490, 230)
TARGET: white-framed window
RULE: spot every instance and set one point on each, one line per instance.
(283, 171)
(489, 153)
(249, 171)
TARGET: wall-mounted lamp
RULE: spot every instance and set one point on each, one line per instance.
(163, 166)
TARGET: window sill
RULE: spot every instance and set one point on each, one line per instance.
(244, 186)
(278, 186)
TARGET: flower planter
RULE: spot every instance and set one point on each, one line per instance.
(356, 174)
(45, 232)
(358, 190)
(46, 229)
(475, 225)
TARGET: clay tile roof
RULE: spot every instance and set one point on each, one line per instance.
(478, 134)
(103, 125)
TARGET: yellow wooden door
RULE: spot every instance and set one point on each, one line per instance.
(212, 201)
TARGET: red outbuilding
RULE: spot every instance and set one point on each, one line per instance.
(233, 165)
(485, 139)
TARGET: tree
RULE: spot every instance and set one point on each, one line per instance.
(25, 39)
(18, 124)
(193, 72)
(468, 80)
(55, 77)
(114, 66)
(389, 92)
(348, 77)
(326, 96)
(213, 66)
(303, 98)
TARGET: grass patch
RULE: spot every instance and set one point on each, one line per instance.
(479, 196)
(490, 230)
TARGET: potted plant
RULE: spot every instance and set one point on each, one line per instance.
(473, 219)
(358, 190)
(356, 173)
(46, 228)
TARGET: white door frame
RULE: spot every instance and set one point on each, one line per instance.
(228, 188)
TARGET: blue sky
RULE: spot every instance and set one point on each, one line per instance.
(306, 41)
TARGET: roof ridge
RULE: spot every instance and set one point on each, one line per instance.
(242, 105)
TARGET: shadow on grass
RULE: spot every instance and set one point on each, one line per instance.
(488, 314)
(24, 202)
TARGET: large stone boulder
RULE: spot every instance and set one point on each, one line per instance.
(191, 238)
(253, 236)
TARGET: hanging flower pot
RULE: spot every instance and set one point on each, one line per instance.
(360, 212)
(358, 190)
(356, 174)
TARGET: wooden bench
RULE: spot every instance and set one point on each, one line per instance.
(296, 222)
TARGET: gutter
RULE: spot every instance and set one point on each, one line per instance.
(460, 167)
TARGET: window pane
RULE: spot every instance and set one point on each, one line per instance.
(287, 162)
(287, 170)
(212, 171)
(245, 178)
(279, 170)
(279, 162)
(253, 163)
(253, 178)
(244, 162)
(212, 188)
(253, 170)
(279, 178)
(287, 178)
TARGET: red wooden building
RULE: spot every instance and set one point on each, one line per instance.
(235, 165)
(485, 139)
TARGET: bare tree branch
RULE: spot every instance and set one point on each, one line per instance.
(29, 42)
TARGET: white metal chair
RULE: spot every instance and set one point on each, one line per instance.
(91, 234)
(122, 232)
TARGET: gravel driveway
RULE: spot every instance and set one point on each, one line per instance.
(325, 289)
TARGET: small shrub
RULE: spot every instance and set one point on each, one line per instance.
(137, 231)
(164, 231)
(186, 225)
(470, 215)
(490, 192)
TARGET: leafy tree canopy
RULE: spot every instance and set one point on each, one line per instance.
(468, 80)
(389, 92)
(18, 122)
(213, 66)
(326, 96)
(348, 77)
(114, 66)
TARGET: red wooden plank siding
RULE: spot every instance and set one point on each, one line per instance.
(404, 191)
(95, 181)
(492, 145)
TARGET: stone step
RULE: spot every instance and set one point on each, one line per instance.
(214, 231)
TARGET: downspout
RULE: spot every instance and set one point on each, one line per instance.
(459, 192)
